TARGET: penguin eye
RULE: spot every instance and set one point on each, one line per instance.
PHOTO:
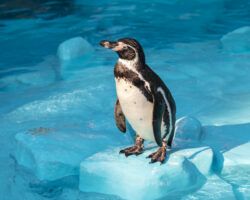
(124, 47)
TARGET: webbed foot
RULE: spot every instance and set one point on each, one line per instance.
(159, 155)
(134, 150)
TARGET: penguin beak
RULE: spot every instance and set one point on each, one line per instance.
(108, 44)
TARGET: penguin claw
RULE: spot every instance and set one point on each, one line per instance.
(152, 161)
(134, 150)
(126, 150)
(158, 156)
(138, 153)
(122, 151)
(151, 155)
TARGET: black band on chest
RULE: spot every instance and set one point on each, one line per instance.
(122, 72)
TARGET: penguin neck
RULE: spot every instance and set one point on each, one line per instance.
(134, 64)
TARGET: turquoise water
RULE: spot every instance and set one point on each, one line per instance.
(192, 45)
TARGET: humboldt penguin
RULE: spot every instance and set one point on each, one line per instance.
(142, 99)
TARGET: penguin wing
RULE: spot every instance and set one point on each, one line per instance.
(158, 110)
(119, 117)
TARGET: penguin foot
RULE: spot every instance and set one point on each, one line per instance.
(134, 150)
(159, 155)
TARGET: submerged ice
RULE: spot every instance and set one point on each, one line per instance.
(52, 155)
(74, 48)
(237, 41)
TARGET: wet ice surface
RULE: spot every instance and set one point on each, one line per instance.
(58, 136)
(134, 178)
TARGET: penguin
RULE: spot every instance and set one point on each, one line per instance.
(142, 99)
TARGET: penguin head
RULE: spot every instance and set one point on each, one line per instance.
(126, 48)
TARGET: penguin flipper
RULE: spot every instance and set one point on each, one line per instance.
(120, 117)
(158, 111)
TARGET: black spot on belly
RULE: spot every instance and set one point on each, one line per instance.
(135, 102)
(141, 119)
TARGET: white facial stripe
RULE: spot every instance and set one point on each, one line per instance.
(132, 48)
(159, 89)
(119, 46)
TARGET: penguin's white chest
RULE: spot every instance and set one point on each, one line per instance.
(136, 108)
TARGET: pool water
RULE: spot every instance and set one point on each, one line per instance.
(201, 49)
